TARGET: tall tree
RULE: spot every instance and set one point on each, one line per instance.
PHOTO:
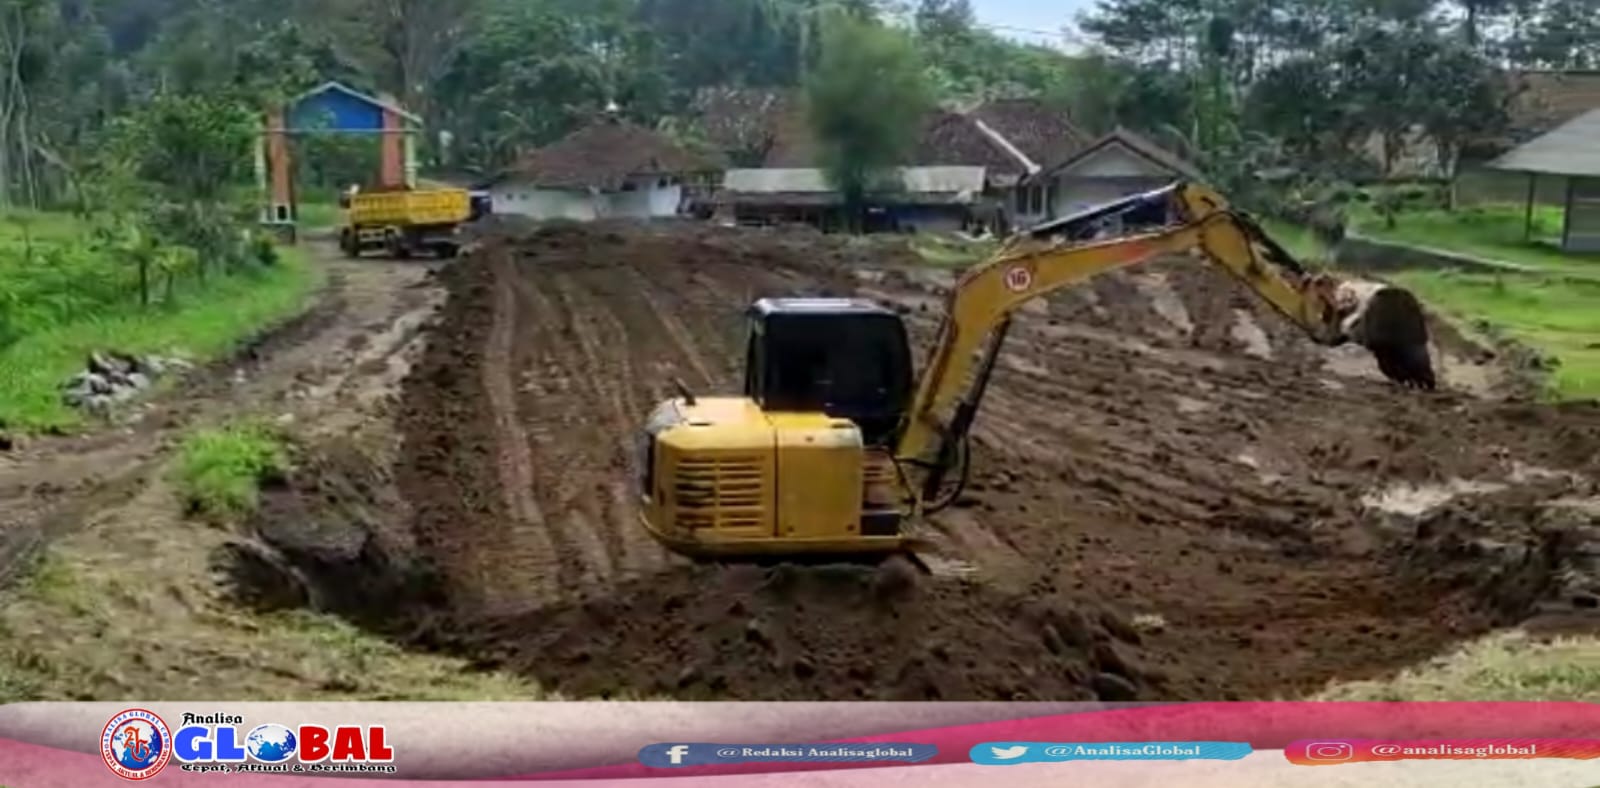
(407, 44)
(865, 101)
(25, 27)
(945, 19)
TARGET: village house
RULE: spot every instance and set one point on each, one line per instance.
(1001, 143)
(1536, 102)
(610, 168)
(915, 199)
(1116, 165)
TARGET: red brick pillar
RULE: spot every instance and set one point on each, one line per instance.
(280, 189)
(392, 169)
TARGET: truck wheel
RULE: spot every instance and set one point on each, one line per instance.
(396, 246)
(349, 245)
(447, 251)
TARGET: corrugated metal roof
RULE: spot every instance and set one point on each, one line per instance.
(775, 179)
(1573, 148)
(916, 180)
(946, 180)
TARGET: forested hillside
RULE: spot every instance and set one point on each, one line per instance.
(1298, 80)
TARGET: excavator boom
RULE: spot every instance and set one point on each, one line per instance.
(1181, 218)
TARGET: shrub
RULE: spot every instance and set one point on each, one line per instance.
(220, 471)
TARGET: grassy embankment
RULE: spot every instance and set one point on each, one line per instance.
(1554, 306)
(1508, 666)
(61, 299)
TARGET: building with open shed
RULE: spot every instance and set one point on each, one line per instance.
(1570, 154)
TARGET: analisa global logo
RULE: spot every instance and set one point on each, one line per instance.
(136, 745)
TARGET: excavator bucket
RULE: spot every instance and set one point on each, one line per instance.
(1389, 321)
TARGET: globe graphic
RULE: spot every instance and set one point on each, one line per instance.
(270, 743)
(137, 745)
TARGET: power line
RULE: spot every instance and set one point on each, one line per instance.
(1067, 35)
(1014, 29)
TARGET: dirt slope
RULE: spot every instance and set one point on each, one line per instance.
(1176, 495)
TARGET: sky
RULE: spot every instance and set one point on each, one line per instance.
(1044, 16)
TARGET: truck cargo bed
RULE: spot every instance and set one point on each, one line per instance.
(410, 208)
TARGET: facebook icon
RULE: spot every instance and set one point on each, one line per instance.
(674, 755)
(666, 756)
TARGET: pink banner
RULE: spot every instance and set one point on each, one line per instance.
(1265, 726)
(427, 735)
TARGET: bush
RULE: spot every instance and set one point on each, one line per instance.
(220, 472)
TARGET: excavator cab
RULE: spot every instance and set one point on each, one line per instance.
(802, 463)
(847, 358)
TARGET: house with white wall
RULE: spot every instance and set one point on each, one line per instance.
(1118, 164)
(909, 199)
(609, 169)
(1009, 139)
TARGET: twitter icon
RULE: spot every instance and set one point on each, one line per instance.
(1005, 753)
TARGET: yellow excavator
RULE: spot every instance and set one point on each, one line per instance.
(833, 448)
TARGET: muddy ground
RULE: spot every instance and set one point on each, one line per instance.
(1176, 496)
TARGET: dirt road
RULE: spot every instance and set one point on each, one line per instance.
(314, 368)
(1177, 496)
(110, 590)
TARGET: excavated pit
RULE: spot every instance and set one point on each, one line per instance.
(1175, 495)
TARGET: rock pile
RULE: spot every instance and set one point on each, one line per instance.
(113, 378)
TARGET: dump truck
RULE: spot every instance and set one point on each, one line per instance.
(404, 222)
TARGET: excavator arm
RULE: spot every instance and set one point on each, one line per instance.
(1182, 218)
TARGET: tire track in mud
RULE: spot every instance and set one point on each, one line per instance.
(614, 514)
(556, 408)
(520, 563)
(682, 340)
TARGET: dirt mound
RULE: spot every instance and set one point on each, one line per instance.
(1176, 495)
(331, 536)
(794, 633)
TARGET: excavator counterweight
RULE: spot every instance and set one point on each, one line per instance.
(833, 448)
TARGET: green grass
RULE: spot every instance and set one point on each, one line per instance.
(1503, 667)
(948, 251)
(18, 228)
(1300, 241)
(51, 274)
(1493, 232)
(319, 215)
(1556, 315)
(219, 472)
(199, 325)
